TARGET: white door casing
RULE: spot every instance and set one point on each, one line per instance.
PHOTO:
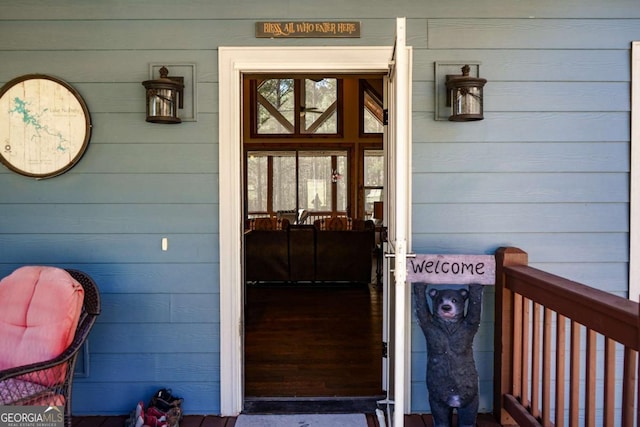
(232, 63)
(634, 197)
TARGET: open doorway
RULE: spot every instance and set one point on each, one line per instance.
(233, 63)
(313, 172)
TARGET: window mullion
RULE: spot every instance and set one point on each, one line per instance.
(297, 181)
(270, 186)
(334, 186)
(298, 94)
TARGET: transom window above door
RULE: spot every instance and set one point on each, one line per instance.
(297, 106)
(292, 106)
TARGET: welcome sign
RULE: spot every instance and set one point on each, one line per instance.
(452, 269)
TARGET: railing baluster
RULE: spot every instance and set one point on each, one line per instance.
(574, 381)
(561, 336)
(590, 375)
(629, 376)
(609, 381)
(525, 396)
(517, 345)
(546, 369)
(535, 362)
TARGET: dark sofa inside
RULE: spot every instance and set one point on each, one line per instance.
(331, 250)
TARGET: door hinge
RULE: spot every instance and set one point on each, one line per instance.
(385, 350)
(385, 117)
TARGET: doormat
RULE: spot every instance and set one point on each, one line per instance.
(302, 420)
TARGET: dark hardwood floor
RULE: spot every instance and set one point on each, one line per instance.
(313, 340)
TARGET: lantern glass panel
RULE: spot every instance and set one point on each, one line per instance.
(467, 100)
(162, 103)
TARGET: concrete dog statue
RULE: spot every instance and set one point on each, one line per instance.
(452, 378)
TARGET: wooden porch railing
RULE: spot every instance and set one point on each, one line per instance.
(565, 354)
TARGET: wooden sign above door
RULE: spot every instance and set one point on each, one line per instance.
(308, 29)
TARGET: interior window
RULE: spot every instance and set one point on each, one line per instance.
(292, 106)
(257, 183)
(276, 106)
(304, 141)
(372, 107)
(373, 180)
(304, 180)
(314, 188)
(320, 106)
(283, 187)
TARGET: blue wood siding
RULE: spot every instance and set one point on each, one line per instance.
(547, 170)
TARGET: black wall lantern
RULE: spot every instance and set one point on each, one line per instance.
(464, 96)
(164, 97)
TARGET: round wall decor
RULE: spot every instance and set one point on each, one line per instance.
(45, 126)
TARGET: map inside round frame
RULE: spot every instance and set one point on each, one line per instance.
(45, 126)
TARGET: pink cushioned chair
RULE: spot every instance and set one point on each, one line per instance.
(46, 314)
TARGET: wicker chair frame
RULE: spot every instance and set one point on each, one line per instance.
(15, 387)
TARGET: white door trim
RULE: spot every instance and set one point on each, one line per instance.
(634, 197)
(232, 63)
